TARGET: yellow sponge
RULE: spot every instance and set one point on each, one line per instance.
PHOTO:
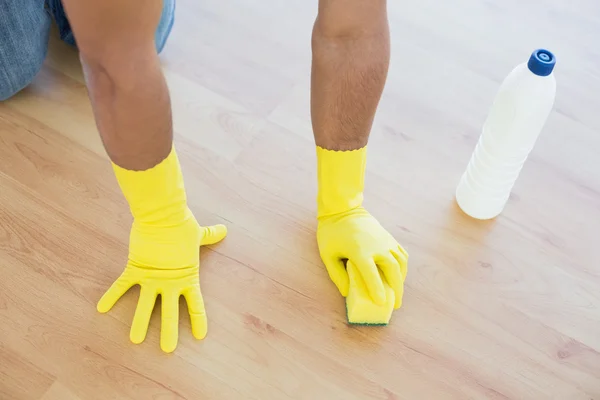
(360, 308)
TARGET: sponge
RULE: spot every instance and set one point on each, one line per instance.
(360, 308)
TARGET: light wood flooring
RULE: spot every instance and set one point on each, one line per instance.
(504, 309)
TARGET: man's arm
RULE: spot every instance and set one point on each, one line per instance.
(126, 86)
(351, 52)
(133, 113)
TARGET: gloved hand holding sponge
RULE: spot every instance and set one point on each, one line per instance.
(364, 261)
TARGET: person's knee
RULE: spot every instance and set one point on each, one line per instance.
(165, 25)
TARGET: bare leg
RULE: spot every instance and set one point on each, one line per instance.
(351, 52)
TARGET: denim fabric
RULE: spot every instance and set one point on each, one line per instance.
(165, 24)
(24, 31)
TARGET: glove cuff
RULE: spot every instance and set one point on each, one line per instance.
(341, 176)
(155, 195)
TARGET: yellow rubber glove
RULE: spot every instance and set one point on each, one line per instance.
(346, 231)
(163, 251)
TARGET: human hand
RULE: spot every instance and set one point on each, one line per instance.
(164, 260)
(355, 235)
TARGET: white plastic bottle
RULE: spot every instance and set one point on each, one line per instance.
(510, 131)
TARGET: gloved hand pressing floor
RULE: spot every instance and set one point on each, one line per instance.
(346, 231)
(163, 251)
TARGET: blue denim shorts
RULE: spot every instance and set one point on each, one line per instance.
(24, 31)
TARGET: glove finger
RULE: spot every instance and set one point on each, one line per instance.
(399, 294)
(338, 274)
(195, 305)
(370, 274)
(213, 234)
(391, 269)
(143, 311)
(402, 257)
(169, 330)
(114, 293)
(402, 251)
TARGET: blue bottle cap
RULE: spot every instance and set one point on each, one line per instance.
(541, 62)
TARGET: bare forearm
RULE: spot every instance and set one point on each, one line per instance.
(351, 51)
(132, 111)
(126, 86)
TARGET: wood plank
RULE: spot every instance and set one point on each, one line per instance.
(59, 392)
(19, 378)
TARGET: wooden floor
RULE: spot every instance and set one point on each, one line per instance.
(507, 309)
